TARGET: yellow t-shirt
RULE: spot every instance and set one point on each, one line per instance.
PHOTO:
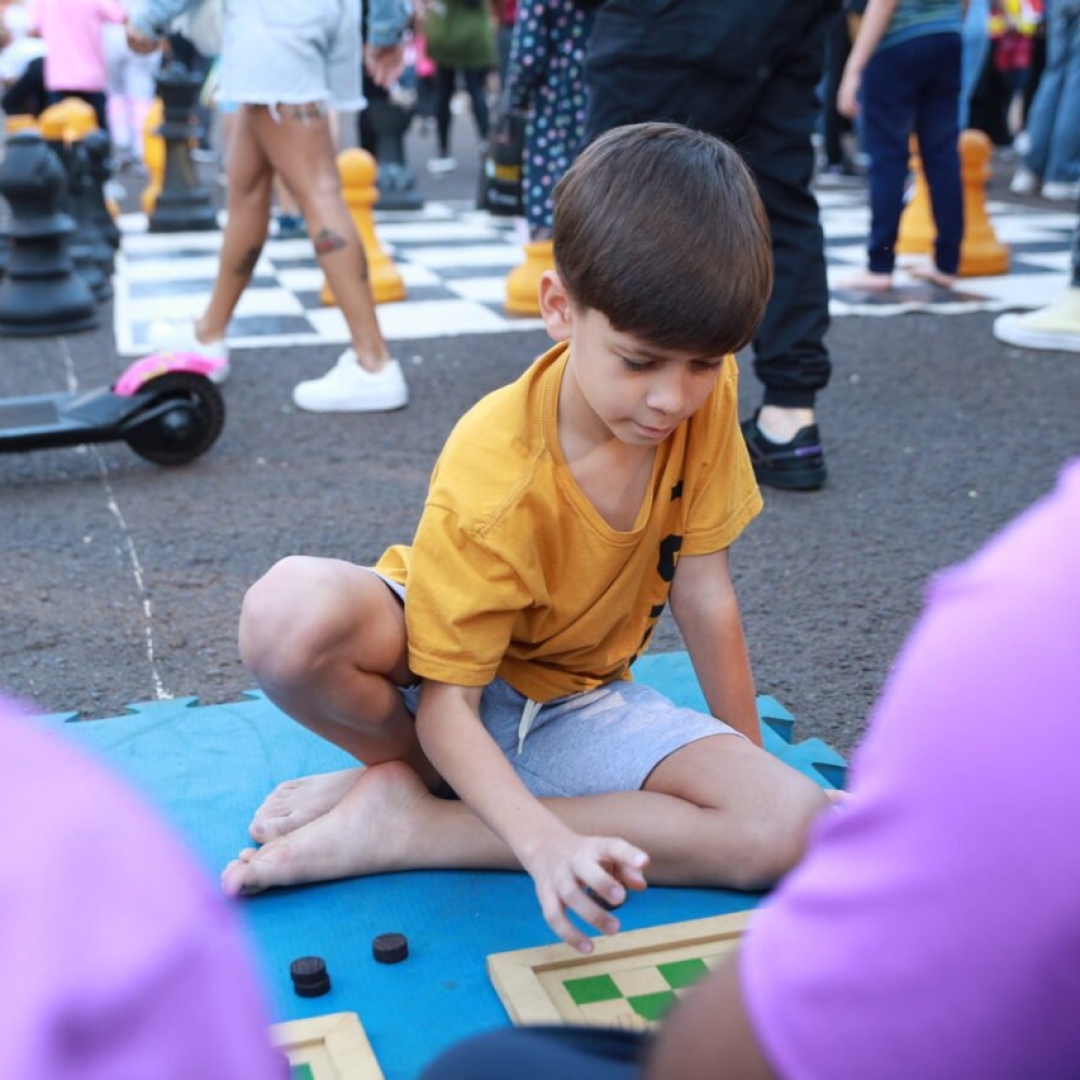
(513, 572)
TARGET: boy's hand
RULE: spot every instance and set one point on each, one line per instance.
(565, 863)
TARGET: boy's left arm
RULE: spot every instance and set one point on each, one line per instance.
(706, 609)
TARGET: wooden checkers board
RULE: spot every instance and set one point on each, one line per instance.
(630, 980)
(331, 1047)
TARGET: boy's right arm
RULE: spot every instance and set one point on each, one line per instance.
(561, 862)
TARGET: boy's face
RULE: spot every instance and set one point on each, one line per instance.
(615, 381)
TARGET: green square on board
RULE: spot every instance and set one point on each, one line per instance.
(301, 1072)
(682, 973)
(653, 1006)
(592, 988)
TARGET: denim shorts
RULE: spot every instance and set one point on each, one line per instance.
(284, 52)
(607, 739)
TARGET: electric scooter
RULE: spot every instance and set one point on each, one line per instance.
(164, 406)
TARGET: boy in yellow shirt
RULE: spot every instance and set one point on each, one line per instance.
(492, 656)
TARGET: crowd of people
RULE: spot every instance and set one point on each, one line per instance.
(491, 706)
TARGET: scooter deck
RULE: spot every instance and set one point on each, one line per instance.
(49, 420)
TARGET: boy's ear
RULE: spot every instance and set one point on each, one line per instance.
(555, 306)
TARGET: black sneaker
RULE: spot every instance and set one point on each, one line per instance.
(798, 465)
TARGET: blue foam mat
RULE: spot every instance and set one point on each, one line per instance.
(208, 767)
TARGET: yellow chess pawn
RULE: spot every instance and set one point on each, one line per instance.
(981, 254)
(67, 121)
(358, 171)
(917, 228)
(523, 282)
(19, 122)
(153, 155)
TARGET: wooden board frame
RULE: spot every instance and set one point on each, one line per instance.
(334, 1046)
(519, 976)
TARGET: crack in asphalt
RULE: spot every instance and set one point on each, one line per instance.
(160, 692)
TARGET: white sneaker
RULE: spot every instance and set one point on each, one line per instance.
(1061, 190)
(440, 165)
(180, 337)
(1056, 326)
(347, 387)
(1024, 181)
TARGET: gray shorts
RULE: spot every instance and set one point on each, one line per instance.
(288, 52)
(608, 739)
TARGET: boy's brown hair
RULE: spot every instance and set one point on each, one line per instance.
(661, 229)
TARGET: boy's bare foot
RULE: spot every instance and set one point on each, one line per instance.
(294, 803)
(933, 275)
(371, 830)
(867, 280)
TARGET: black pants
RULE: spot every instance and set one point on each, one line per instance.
(746, 71)
(445, 82)
(540, 1053)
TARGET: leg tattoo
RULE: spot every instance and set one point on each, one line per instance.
(328, 242)
(246, 266)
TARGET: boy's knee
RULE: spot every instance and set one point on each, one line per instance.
(282, 620)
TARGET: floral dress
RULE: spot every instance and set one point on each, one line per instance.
(546, 81)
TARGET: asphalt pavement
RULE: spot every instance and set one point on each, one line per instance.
(121, 581)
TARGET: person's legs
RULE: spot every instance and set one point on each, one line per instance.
(888, 112)
(539, 1053)
(476, 87)
(1046, 104)
(333, 663)
(975, 49)
(837, 49)
(248, 202)
(445, 80)
(935, 126)
(300, 148)
(718, 811)
(1063, 164)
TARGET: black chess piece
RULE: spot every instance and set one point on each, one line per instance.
(86, 259)
(40, 294)
(183, 205)
(87, 232)
(98, 149)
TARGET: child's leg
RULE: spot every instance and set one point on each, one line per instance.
(326, 641)
(936, 128)
(888, 116)
(719, 812)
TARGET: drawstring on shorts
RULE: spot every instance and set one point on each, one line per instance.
(528, 718)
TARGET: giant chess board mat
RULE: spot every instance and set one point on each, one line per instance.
(454, 261)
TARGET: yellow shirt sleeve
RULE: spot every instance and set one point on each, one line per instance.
(723, 493)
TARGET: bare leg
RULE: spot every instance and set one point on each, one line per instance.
(333, 662)
(250, 179)
(301, 149)
(717, 813)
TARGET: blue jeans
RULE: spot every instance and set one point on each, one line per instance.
(1054, 123)
(913, 86)
(975, 45)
